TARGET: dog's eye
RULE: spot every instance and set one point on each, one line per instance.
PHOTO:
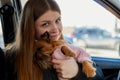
(39, 49)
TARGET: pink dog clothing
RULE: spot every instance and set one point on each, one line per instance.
(80, 55)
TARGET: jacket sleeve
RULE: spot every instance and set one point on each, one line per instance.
(10, 66)
(82, 76)
(2, 65)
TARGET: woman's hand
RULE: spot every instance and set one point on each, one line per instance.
(66, 68)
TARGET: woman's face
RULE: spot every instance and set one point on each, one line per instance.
(51, 22)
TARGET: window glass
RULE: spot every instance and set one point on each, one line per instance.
(1, 37)
(23, 2)
(91, 27)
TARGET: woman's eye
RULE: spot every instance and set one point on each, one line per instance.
(45, 24)
(58, 20)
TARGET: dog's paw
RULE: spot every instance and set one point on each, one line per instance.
(90, 72)
(88, 69)
(66, 51)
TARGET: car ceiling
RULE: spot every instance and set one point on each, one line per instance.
(115, 3)
(111, 5)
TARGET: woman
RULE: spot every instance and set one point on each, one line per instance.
(38, 16)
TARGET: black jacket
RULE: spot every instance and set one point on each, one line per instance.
(49, 74)
(2, 65)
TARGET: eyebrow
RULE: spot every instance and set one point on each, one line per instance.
(49, 21)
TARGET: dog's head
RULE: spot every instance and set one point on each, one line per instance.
(46, 45)
(43, 44)
(43, 50)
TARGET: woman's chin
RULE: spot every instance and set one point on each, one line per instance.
(54, 38)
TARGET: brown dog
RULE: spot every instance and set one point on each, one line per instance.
(45, 47)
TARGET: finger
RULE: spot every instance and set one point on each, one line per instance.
(68, 57)
(56, 61)
(59, 74)
(58, 70)
(59, 61)
(56, 66)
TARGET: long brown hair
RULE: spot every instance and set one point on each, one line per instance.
(23, 44)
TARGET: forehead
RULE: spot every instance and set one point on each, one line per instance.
(49, 15)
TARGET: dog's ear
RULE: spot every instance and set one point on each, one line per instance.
(46, 36)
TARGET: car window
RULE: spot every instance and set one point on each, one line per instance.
(1, 37)
(106, 34)
(23, 2)
(90, 26)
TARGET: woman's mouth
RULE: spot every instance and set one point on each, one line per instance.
(55, 37)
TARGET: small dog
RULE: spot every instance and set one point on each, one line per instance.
(44, 48)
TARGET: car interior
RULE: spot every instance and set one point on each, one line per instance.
(108, 67)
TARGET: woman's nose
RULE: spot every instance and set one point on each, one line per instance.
(54, 26)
